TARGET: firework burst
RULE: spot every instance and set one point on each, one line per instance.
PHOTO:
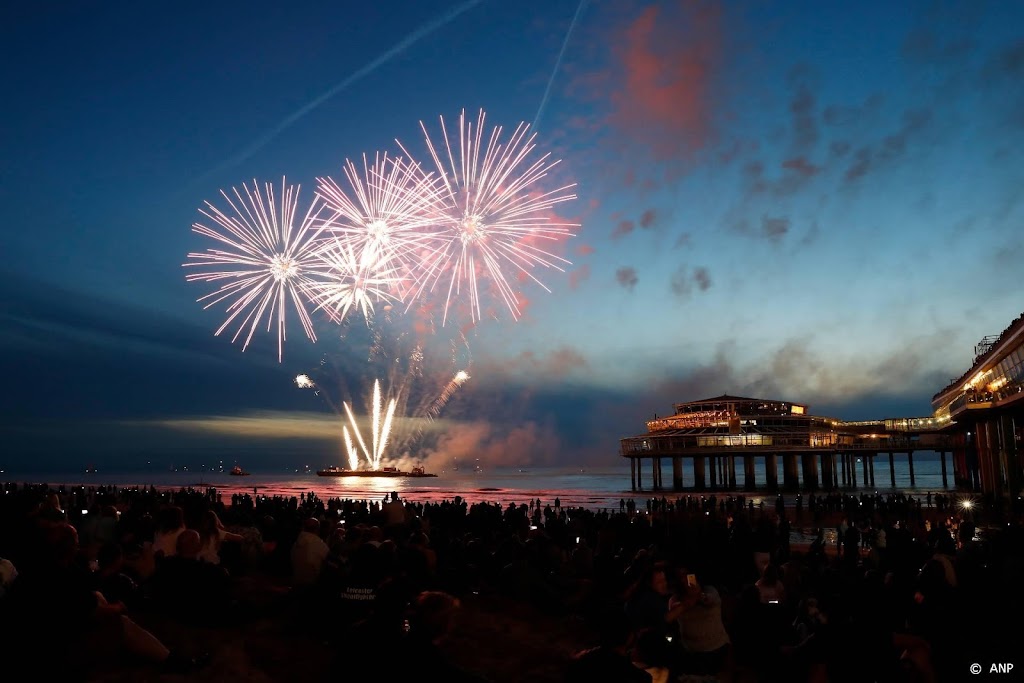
(494, 220)
(383, 219)
(263, 259)
(347, 282)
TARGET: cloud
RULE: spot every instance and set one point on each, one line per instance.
(680, 282)
(668, 59)
(684, 240)
(703, 278)
(801, 166)
(556, 364)
(774, 228)
(626, 277)
(683, 281)
(839, 148)
(890, 148)
(623, 228)
(801, 108)
(579, 275)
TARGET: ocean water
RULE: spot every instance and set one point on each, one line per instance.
(587, 487)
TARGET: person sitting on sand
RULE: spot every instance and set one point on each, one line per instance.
(308, 554)
(188, 588)
(770, 586)
(609, 661)
(213, 535)
(170, 523)
(93, 630)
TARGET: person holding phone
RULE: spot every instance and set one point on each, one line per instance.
(704, 641)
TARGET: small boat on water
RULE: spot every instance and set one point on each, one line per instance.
(238, 472)
(382, 472)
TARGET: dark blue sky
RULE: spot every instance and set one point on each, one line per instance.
(815, 203)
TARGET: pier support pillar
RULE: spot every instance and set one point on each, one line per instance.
(810, 467)
(867, 478)
(872, 469)
(677, 473)
(910, 465)
(892, 470)
(771, 472)
(698, 472)
(748, 473)
(655, 471)
(828, 470)
(639, 474)
(790, 475)
(713, 464)
(732, 472)
(844, 469)
(945, 479)
(853, 470)
(632, 474)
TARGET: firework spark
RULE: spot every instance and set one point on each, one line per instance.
(304, 382)
(494, 217)
(391, 203)
(268, 260)
(381, 418)
(347, 283)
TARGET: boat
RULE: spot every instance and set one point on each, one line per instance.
(382, 472)
(238, 472)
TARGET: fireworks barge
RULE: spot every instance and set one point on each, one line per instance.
(382, 472)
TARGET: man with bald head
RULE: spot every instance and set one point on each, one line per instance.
(189, 588)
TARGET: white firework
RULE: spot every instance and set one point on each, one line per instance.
(495, 218)
(383, 220)
(348, 283)
(264, 260)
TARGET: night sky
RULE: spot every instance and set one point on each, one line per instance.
(797, 201)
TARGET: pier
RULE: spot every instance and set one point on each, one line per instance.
(977, 420)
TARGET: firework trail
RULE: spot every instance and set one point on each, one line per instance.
(263, 259)
(493, 216)
(399, 47)
(457, 381)
(558, 64)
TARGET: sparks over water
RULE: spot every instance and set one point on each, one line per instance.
(494, 217)
(381, 430)
(268, 260)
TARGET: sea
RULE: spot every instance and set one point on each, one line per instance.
(588, 487)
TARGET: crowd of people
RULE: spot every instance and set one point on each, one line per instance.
(693, 588)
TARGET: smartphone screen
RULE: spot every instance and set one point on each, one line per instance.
(691, 580)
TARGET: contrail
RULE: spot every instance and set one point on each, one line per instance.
(399, 48)
(558, 64)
